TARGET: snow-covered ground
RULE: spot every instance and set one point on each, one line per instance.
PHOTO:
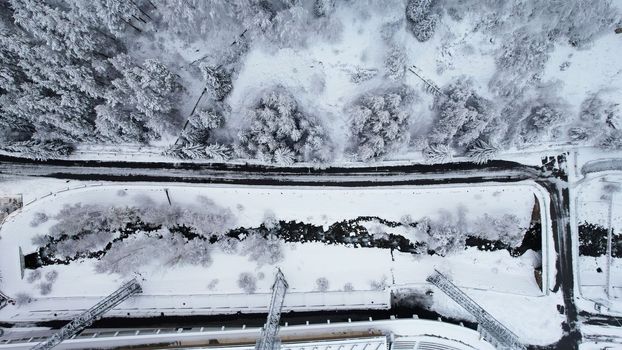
(322, 207)
(493, 278)
(599, 203)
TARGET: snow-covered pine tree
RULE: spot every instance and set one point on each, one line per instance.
(217, 80)
(539, 123)
(277, 127)
(142, 103)
(422, 17)
(380, 123)
(437, 153)
(218, 151)
(462, 115)
(395, 63)
(40, 149)
(612, 140)
(323, 8)
(116, 15)
(55, 74)
(482, 151)
(62, 30)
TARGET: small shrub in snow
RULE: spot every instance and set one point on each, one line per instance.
(348, 287)
(228, 245)
(212, 284)
(269, 219)
(380, 123)
(445, 237)
(51, 276)
(38, 218)
(279, 131)
(322, 284)
(380, 284)
(506, 228)
(247, 282)
(539, 123)
(45, 288)
(22, 299)
(395, 63)
(360, 74)
(268, 250)
(580, 133)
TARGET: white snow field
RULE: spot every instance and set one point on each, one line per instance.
(493, 278)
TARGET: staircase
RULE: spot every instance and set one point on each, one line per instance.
(86, 318)
(489, 327)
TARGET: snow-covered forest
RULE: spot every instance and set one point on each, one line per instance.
(285, 81)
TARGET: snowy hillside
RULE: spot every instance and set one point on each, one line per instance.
(321, 81)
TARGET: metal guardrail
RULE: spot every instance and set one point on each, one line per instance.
(489, 327)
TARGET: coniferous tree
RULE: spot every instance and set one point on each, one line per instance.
(323, 8)
(462, 116)
(218, 81)
(142, 103)
(279, 131)
(380, 123)
(422, 17)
